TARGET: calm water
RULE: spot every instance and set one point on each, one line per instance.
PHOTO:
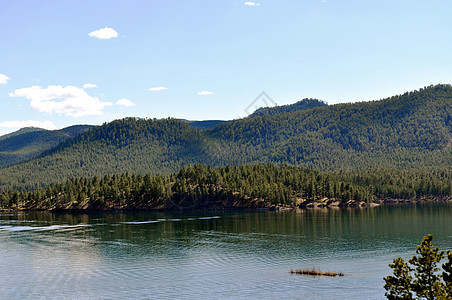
(210, 255)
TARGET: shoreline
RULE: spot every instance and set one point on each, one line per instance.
(304, 205)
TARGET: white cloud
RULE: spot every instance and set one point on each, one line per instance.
(21, 124)
(3, 79)
(249, 3)
(89, 86)
(69, 100)
(125, 102)
(157, 88)
(104, 33)
(204, 93)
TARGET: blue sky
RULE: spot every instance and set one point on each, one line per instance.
(88, 62)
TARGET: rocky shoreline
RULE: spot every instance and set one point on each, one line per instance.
(255, 205)
(332, 203)
(326, 202)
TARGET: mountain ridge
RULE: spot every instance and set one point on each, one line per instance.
(20, 131)
(25, 143)
(408, 131)
(307, 103)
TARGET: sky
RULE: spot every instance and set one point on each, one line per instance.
(88, 62)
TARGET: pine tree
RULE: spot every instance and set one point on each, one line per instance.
(427, 282)
(420, 276)
(447, 274)
(399, 285)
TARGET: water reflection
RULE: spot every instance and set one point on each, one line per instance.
(210, 254)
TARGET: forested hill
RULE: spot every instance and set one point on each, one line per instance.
(207, 124)
(126, 145)
(28, 142)
(257, 186)
(19, 132)
(412, 131)
(300, 105)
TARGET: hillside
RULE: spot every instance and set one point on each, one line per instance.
(28, 142)
(412, 131)
(257, 186)
(207, 124)
(126, 145)
(20, 131)
(300, 105)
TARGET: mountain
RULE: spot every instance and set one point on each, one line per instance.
(126, 145)
(28, 142)
(208, 124)
(20, 131)
(300, 105)
(412, 131)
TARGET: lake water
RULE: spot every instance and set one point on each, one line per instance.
(211, 254)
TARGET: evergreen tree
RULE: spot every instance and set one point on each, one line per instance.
(447, 274)
(398, 286)
(420, 276)
(427, 283)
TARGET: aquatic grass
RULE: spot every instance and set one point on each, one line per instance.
(315, 272)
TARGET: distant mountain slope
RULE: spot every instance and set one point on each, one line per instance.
(300, 105)
(19, 132)
(410, 131)
(29, 142)
(401, 131)
(126, 145)
(207, 124)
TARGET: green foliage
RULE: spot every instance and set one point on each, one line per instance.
(208, 124)
(403, 184)
(408, 131)
(28, 142)
(447, 274)
(129, 145)
(399, 285)
(426, 281)
(200, 186)
(19, 132)
(407, 136)
(300, 105)
(192, 187)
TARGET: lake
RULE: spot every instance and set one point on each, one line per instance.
(207, 255)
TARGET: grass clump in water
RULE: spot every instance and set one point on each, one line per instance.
(315, 272)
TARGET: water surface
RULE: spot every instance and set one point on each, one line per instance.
(211, 254)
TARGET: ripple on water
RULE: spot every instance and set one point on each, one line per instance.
(141, 222)
(235, 256)
(42, 228)
(169, 220)
(208, 218)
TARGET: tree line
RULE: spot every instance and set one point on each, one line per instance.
(247, 186)
(406, 132)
